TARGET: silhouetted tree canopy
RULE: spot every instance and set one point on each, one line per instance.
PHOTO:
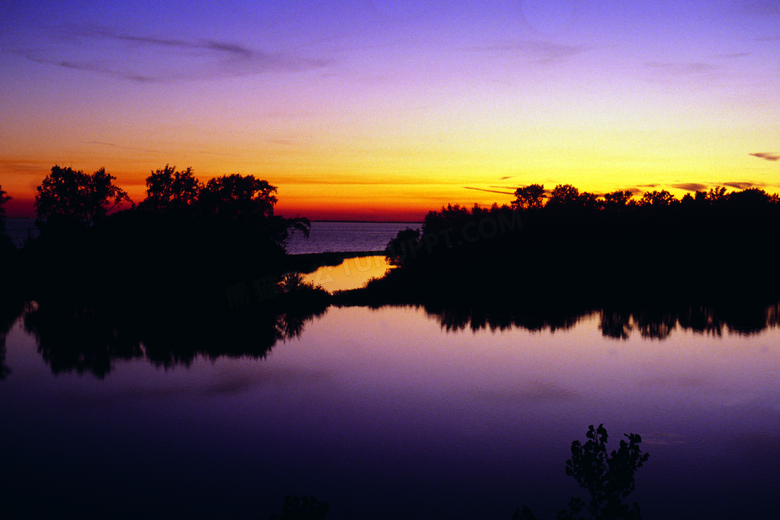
(592, 249)
(77, 197)
(751, 197)
(529, 197)
(3, 199)
(171, 191)
(607, 477)
(185, 244)
(238, 197)
(405, 243)
(564, 195)
(617, 199)
(716, 194)
(5, 242)
(657, 198)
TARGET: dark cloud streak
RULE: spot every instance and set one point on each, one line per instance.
(127, 57)
(490, 191)
(769, 156)
(684, 68)
(741, 185)
(690, 186)
(542, 52)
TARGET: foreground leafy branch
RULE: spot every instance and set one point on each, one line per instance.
(607, 477)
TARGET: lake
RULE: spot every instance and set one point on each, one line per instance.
(352, 273)
(346, 236)
(395, 412)
(390, 413)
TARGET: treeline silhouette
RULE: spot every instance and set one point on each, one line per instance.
(197, 261)
(185, 243)
(193, 270)
(616, 322)
(93, 339)
(570, 248)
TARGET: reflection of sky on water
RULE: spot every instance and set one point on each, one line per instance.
(352, 273)
(383, 409)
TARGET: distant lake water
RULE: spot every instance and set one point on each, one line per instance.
(346, 237)
(20, 228)
(391, 414)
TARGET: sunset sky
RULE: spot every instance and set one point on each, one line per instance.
(384, 109)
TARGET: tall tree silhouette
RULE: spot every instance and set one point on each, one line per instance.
(401, 248)
(3, 199)
(171, 191)
(5, 242)
(564, 195)
(657, 198)
(238, 197)
(617, 199)
(77, 197)
(529, 197)
(607, 477)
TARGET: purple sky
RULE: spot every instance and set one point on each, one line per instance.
(405, 105)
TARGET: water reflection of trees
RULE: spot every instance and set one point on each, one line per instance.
(456, 318)
(9, 312)
(91, 340)
(617, 322)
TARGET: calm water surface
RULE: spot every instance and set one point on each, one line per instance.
(346, 236)
(386, 414)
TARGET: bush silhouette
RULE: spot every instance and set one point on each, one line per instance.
(607, 477)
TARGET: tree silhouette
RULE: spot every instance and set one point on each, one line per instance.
(77, 197)
(607, 477)
(749, 198)
(529, 197)
(6, 245)
(564, 195)
(238, 198)
(171, 191)
(588, 201)
(3, 199)
(716, 194)
(657, 198)
(617, 199)
(405, 244)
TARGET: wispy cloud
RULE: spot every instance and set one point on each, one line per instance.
(683, 68)
(490, 191)
(741, 185)
(766, 39)
(22, 166)
(730, 56)
(123, 147)
(760, 8)
(151, 59)
(769, 156)
(539, 51)
(690, 186)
